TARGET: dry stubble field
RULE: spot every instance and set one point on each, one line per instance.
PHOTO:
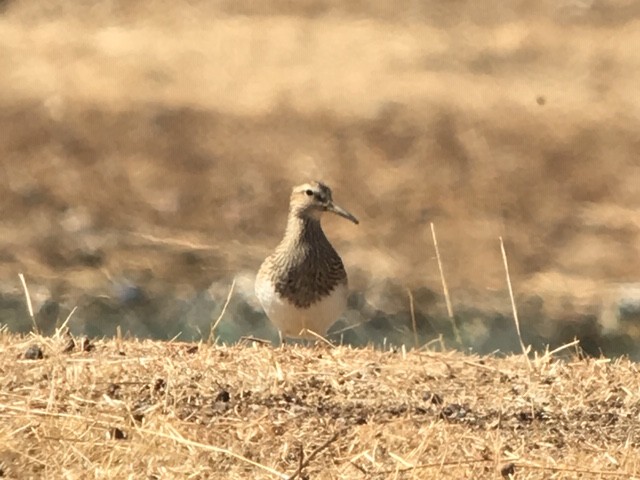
(161, 410)
(154, 143)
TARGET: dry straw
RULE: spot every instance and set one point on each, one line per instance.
(525, 350)
(212, 332)
(414, 325)
(27, 297)
(175, 410)
(445, 289)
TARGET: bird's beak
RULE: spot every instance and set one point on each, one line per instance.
(332, 207)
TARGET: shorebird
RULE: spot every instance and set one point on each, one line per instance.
(302, 285)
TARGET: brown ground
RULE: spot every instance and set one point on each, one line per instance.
(164, 410)
(155, 143)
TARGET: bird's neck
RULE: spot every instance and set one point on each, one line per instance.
(303, 230)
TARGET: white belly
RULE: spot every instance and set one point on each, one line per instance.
(293, 321)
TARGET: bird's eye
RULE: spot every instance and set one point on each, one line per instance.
(309, 192)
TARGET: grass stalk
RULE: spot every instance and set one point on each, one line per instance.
(525, 350)
(445, 289)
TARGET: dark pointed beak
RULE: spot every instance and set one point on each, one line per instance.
(332, 207)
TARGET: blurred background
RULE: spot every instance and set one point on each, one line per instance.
(148, 149)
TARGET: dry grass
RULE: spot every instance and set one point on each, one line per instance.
(254, 411)
(156, 142)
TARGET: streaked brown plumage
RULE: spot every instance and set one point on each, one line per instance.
(302, 285)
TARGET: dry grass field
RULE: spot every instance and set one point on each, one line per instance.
(165, 410)
(148, 150)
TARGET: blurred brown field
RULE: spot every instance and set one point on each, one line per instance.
(155, 143)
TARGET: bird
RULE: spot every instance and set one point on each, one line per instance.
(303, 285)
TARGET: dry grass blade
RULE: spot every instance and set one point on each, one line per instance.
(64, 324)
(348, 327)
(564, 347)
(525, 351)
(318, 337)
(212, 332)
(413, 318)
(570, 469)
(29, 304)
(250, 339)
(314, 454)
(440, 464)
(44, 413)
(445, 288)
(176, 437)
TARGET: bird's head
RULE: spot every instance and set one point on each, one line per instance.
(312, 199)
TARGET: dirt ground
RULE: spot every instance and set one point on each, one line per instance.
(165, 410)
(147, 150)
